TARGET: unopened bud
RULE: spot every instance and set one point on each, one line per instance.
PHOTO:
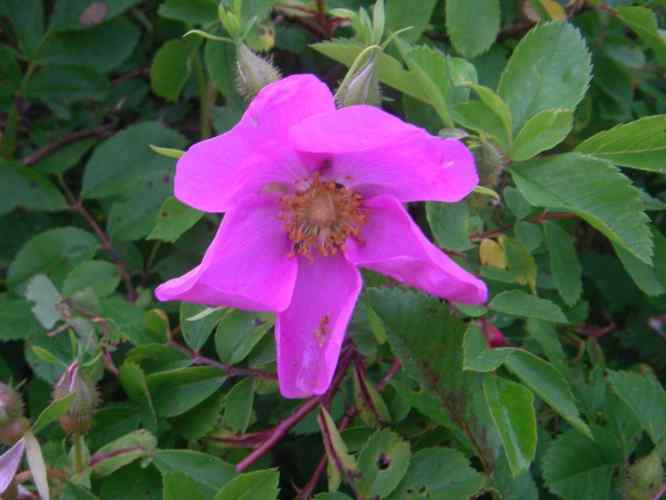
(14, 430)
(493, 334)
(361, 88)
(229, 21)
(78, 418)
(253, 72)
(11, 404)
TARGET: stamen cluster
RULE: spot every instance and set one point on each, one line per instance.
(322, 217)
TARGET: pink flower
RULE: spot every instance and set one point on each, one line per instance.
(311, 193)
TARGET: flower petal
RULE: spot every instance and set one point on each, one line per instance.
(216, 174)
(246, 266)
(375, 153)
(310, 332)
(9, 464)
(395, 246)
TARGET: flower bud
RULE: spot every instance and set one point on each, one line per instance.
(14, 430)
(229, 21)
(361, 88)
(11, 404)
(493, 334)
(78, 418)
(253, 72)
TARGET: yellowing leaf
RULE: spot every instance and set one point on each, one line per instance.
(492, 254)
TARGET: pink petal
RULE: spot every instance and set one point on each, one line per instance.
(246, 266)
(376, 153)
(393, 245)
(310, 332)
(216, 174)
(9, 464)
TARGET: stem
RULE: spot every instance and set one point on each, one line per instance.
(35, 156)
(537, 219)
(204, 98)
(78, 453)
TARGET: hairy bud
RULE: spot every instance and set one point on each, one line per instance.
(78, 418)
(360, 88)
(253, 72)
(12, 422)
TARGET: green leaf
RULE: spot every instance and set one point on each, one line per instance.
(639, 144)
(644, 22)
(11, 72)
(133, 380)
(103, 277)
(74, 492)
(41, 291)
(543, 131)
(27, 17)
(196, 332)
(72, 15)
(53, 252)
(238, 333)
(177, 391)
(189, 11)
(441, 473)
(449, 223)
(52, 413)
(512, 408)
(238, 405)
(400, 14)
(67, 84)
(201, 419)
(64, 158)
(650, 279)
(564, 264)
(497, 106)
(593, 189)
(170, 69)
(522, 304)
(576, 467)
(135, 445)
(472, 25)
(209, 472)
(549, 68)
(23, 187)
(478, 356)
(178, 486)
(645, 398)
(383, 462)
(256, 485)
(340, 462)
(167, 152)
(548, 384)
(17, 320)
(102, 48)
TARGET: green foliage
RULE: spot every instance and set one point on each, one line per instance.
(554, 388)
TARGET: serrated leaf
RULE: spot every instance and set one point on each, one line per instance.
(511, 406)
(103, 277)
(209, 472)
(238, 405)
(196, 333)
(549, 68)
(177, 391)
(21, 187)
(400, 14)
(201, 419)
(593, 189)
(650, 279)
(178, 486)
(548, 384)
(441, 473)
(645, 398)
(564, 264)
(383, 462)
(46, 298)
(522, 304)
(543, 131)
(576, 467)
(449, 223)
(238, 333)
(639, 144)
(472, 25)
(256, 485)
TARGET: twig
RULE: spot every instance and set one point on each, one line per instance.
(231, 371)
(537, 219)
(35, 156)
(280, 430)
(597, 331)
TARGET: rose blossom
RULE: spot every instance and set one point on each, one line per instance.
(311, 193)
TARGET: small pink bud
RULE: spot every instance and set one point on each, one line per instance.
(493, 334)
(78, 418)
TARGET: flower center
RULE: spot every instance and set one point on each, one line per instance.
(322, 217)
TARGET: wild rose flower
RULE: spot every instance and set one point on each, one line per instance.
(311, 193)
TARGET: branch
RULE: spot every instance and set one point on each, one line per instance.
(35, 156)
(537, 219)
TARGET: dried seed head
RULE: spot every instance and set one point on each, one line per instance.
(78, 418)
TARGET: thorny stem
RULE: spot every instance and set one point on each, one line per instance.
(231, 371)
(78, 453)
(78, 207)
(537, 219)
(280, 430)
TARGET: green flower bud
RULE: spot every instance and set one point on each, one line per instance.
(361, 88)
(253, 72)
(78, 418)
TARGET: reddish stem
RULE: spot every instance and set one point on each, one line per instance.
(537, 219)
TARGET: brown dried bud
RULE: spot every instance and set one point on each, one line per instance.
(78, 418)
